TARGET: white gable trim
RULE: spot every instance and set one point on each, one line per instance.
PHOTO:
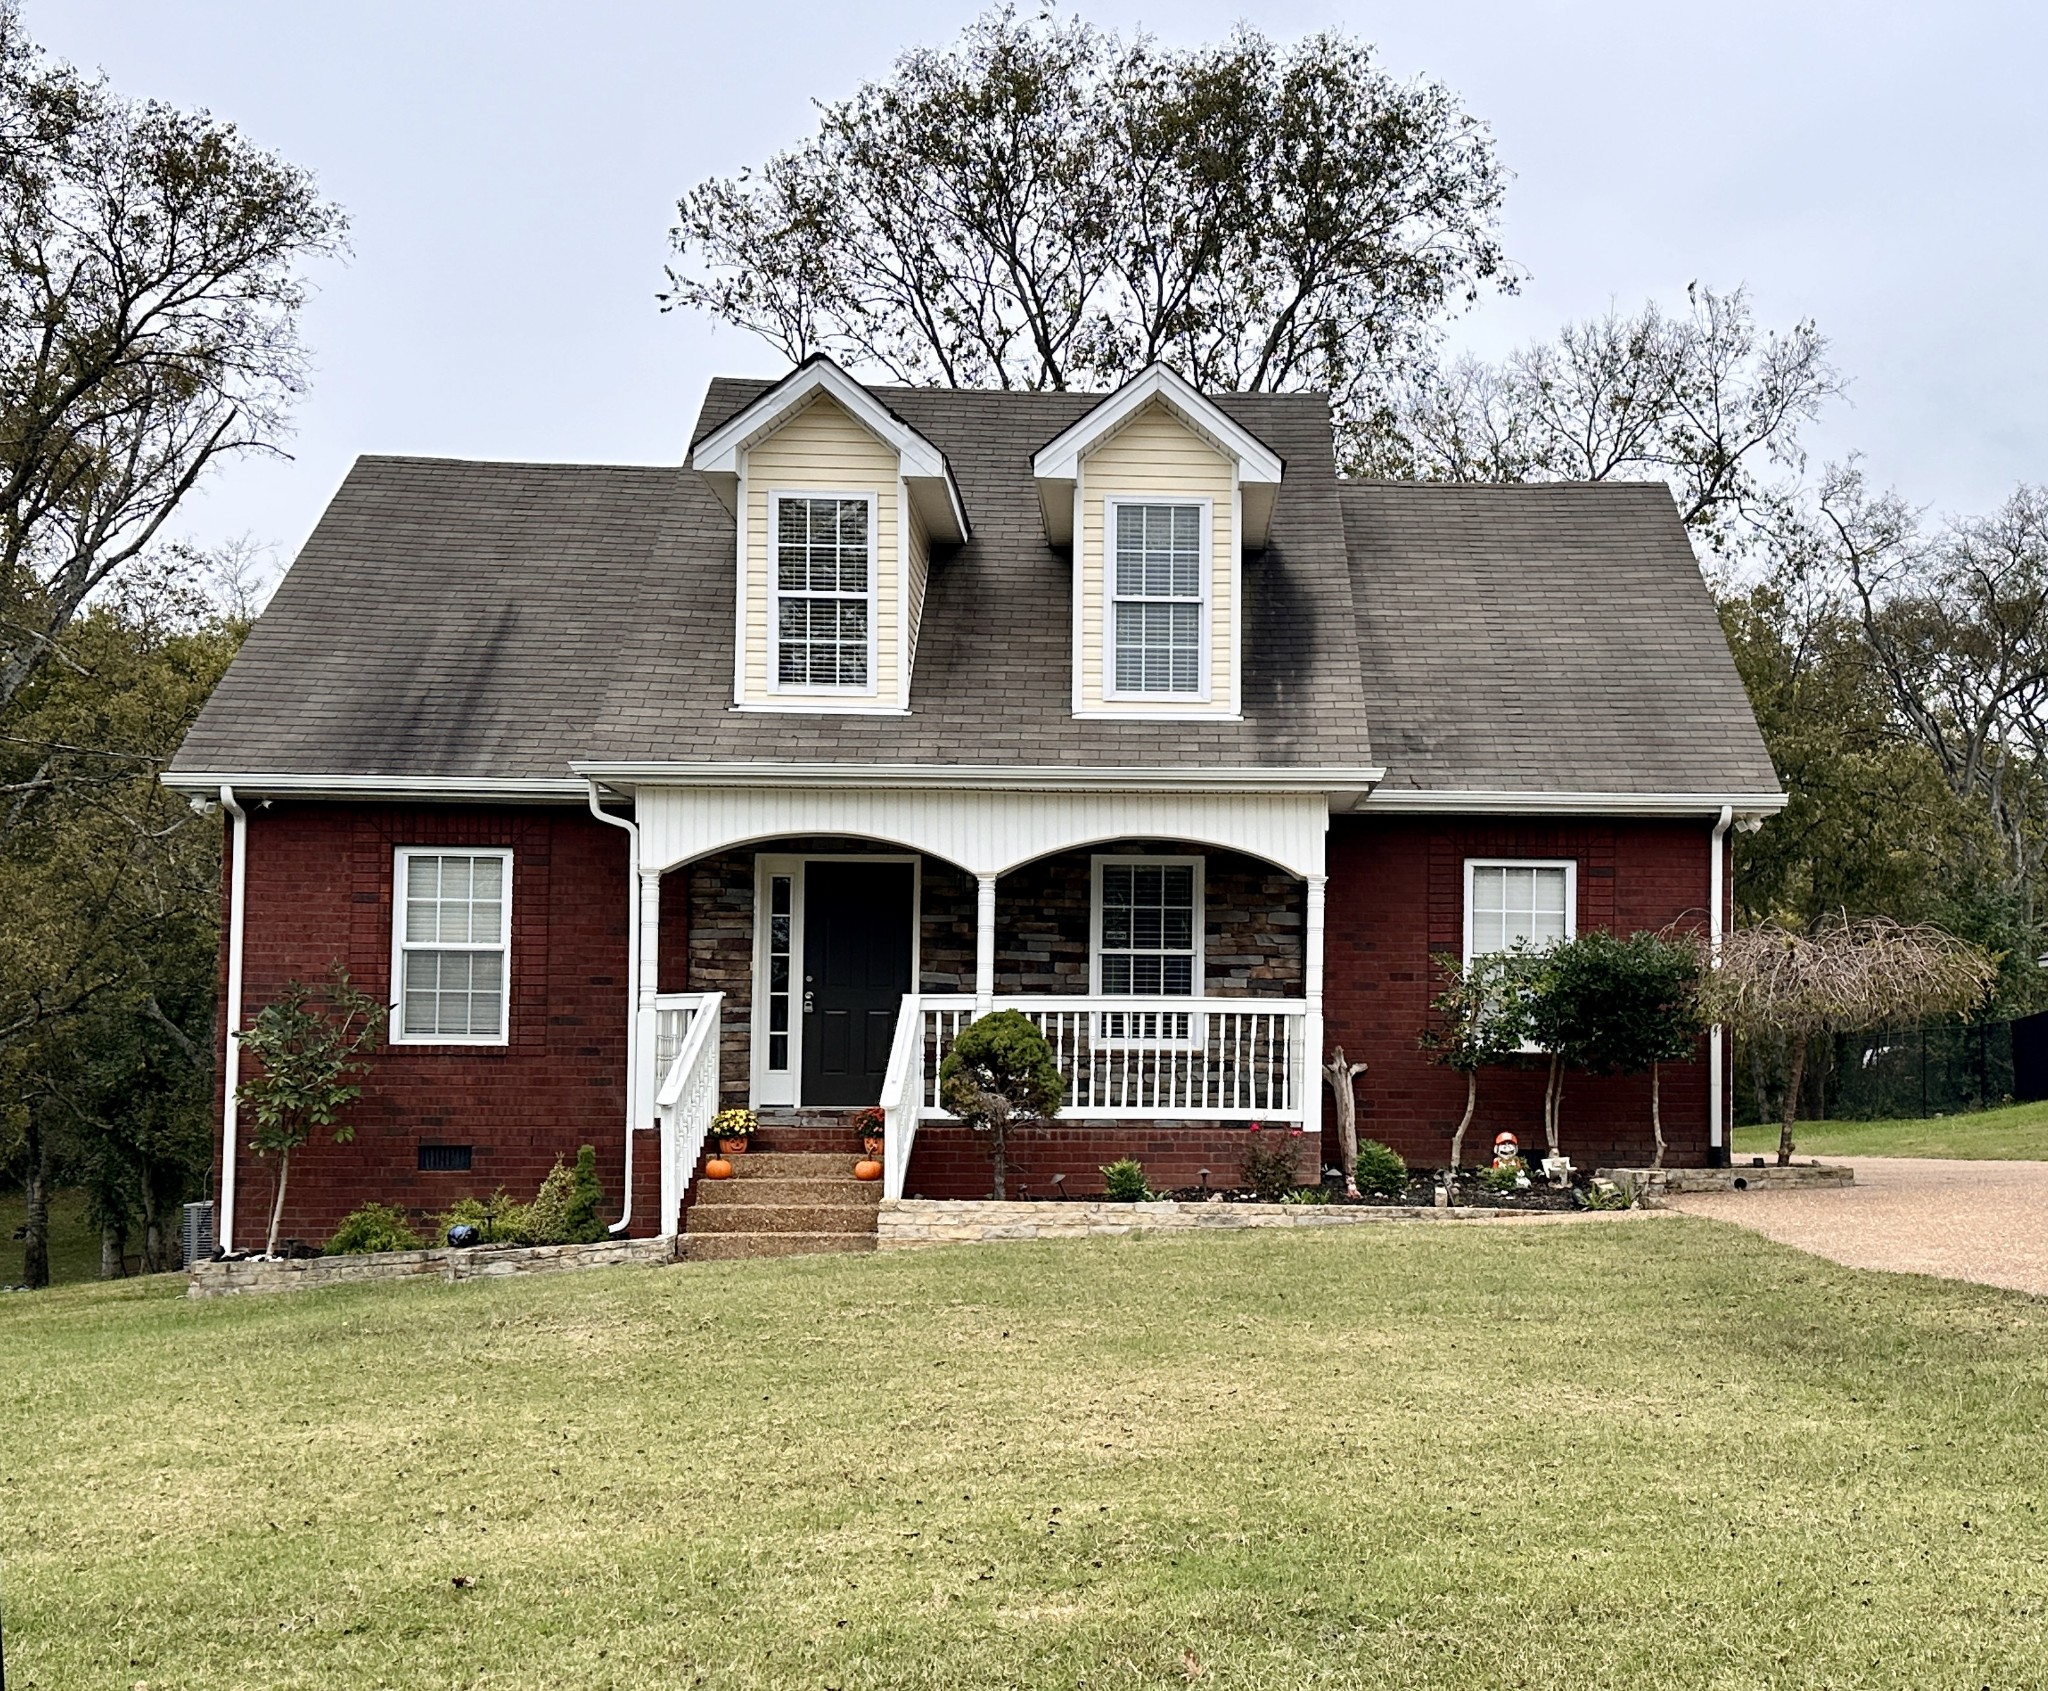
(721, 454)
(1057, 465)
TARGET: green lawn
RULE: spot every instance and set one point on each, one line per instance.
(1634, 1453)
(74, 1242)
(2019, 1131)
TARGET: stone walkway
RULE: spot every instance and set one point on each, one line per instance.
(1984, 1221)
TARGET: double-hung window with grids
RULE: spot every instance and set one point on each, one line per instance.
(451, 962)
(1511, 902)
(824, 592)
(1159, 599)
(1148, 927)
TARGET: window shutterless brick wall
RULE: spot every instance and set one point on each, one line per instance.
(320, 890)
(1396, 894)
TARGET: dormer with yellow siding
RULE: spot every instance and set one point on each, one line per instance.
(1159, 494)
(838, 503)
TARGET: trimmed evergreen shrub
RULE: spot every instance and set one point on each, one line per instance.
(1381, 1170)
(373, 1227)
(497, 1219)
(586, 1197)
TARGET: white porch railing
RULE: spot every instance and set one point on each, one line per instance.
(688, 1094)
(672, 1015)
(1211, 1059)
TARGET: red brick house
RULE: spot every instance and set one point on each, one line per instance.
(639, 790)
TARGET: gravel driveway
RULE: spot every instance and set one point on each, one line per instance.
(1985, 1221)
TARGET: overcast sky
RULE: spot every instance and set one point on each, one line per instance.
(511, 171)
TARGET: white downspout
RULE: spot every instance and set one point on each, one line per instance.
(238, 902)
(632, 990)
(1716, 926)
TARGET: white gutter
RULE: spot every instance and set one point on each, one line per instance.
(1716, 926)
(1469, 801)
(985, 777)
(238, 903)
(632, 988)
(473, 788)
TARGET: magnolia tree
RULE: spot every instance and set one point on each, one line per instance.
(1000, 1070)
(310, 1053)
(1841, 977)
(1481, 1019)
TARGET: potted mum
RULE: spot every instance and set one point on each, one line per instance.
(734, 1130)
(868, 1128)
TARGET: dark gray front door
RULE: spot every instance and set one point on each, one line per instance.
(857, 920)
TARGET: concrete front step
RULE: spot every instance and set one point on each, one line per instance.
(797, 1165)
(739, 1247)
(739, 1194)
(782, 1218)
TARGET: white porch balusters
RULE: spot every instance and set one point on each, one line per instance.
(1311, 1070)
(984, 944)
(646, 1023)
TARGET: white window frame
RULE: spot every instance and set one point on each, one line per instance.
(1112, 504)
(1569, 865)
(1117, 1028)
(401, 875)
(771, 542)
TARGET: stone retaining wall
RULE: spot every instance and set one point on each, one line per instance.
(906, 1223)
(1658, 1183)
(231, 1279)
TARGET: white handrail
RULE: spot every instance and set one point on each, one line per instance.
(686, 1103)
(903, 1095)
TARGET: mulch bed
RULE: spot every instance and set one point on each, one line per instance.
(1420, 1192)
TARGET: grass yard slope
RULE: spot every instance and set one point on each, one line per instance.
(1639, 1453)
(2018, 1132)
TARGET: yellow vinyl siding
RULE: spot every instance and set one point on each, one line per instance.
(821, 447)
(1155, 455)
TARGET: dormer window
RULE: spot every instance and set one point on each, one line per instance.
(824, 592)
(1160, 600)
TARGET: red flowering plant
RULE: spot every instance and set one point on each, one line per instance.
(869, 1125)
(1268, 1163)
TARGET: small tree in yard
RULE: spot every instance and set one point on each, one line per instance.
(1610, 1005)
(1000, 1070)
(1482, 1019)
(308, 1052)
(1841, 977)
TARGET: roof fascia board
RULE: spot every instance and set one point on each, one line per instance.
(462, 788)
(1418, 801)
(1059, 459)
(718, 453)
(1049, 777)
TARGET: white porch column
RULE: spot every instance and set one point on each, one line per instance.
(1312, 1020)
(984, 944)
(645, 1081)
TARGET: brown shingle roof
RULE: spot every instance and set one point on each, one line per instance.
(497, 621)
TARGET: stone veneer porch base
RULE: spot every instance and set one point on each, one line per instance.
(907, 1223)
(481, 1262)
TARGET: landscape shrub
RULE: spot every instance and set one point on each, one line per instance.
(586, 1198)
(373, 1227)
(1502, 1178)
(1381, 1170)
(1268, 1164)
(498, 1219)
(1123, 1181)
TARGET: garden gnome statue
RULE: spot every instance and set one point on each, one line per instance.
(1506, 1149)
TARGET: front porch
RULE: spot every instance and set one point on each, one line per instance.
(1176, 976)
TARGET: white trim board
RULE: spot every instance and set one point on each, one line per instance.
(401, 859)
(1534, 802)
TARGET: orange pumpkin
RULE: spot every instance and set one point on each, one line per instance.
(867, 1169)
(718, 1169)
